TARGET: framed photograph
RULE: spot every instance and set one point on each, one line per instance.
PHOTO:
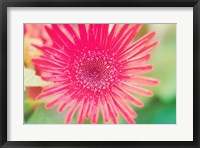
(99, 73)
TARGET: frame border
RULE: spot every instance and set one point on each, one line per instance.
(98, 3)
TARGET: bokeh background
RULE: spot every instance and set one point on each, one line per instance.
(159, 109)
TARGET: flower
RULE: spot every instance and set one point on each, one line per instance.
(96, 67)
(36, 31)
(33, 34)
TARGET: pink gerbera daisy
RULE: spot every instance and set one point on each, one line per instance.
(96, 67)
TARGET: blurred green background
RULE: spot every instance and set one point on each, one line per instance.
(159, 109)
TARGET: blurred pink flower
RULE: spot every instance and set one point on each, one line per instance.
(98, 67)
(36, 31)
(34, 34)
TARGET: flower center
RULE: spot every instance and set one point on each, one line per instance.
(96, 71)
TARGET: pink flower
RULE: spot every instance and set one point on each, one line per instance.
(36, 31)
(96, 67)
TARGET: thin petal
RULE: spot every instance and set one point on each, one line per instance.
(63, 38)
(73, 33)
(68, 99)
(111, 109)
(137, 70)
(137, 90)
(141, 80)
(89, 109)
(124, 94)
(124, 105)
(72, 110)
(128, 37)
(124, 113)
(147, 49)
(95, 111)
(119, 36)
(56, 41)
(82, 111)
(104, 109)
(58, 91)
(54, 102)
(111, 35)
(139, 43)
(137, 61)
(82, 32)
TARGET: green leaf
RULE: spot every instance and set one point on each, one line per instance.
(44, 116)
(31, 79)
(157, 113)
(28, 110)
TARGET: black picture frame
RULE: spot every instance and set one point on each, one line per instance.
(4, 4)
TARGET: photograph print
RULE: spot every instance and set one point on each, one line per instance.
(99, 73)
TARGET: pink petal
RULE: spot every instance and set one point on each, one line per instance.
(137, 70)
(73, 33)
(54, 102)
(137, 90)
(82, 32)
(123, 103)
(137, 61)
(120, 34)
(56, 41)
(124, 94)
(141, 80)
(95, 111)
(72, 110)
(111, 35)
(82, 111)
(128, 37)
(124, 113)
(147, 49)
(69, 98)
(104, 109)
(54, 92)
(89, 109)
